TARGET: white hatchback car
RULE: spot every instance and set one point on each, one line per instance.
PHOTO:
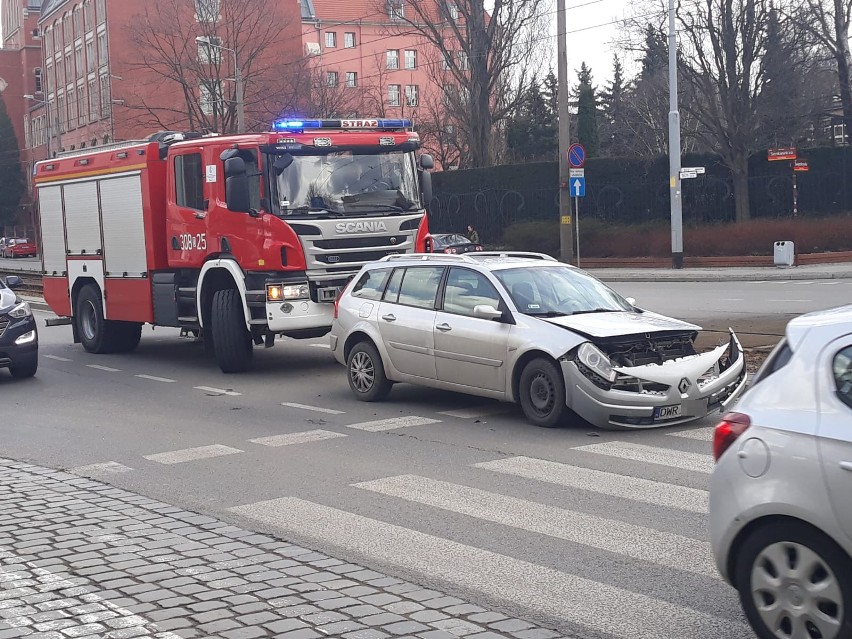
(781, 492)
(526, 328)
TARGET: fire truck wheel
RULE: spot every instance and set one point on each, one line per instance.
(127, 336)
(95, 332)
(231, 341)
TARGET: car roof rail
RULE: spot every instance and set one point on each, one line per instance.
(526, 255)
(427, 257)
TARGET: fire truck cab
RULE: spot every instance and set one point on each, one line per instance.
(234, 239)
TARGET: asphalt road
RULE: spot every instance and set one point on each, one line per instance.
(604, 534)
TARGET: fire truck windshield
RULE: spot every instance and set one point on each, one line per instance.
(346, 184)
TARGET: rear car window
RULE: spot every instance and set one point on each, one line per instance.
(372, 284)
(420, 286)
(778, 359)
(842, 369)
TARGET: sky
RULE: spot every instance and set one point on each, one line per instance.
(594, 30)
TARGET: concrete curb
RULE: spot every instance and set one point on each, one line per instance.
(720, 274)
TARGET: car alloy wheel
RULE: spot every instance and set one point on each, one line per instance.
(796, 592)
(362, 371)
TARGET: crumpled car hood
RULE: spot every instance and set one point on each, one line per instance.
(621, 323)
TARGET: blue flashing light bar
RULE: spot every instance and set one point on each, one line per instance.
(364, 124)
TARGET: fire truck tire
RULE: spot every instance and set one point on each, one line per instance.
(127, 336)
(231, 341)
(96, 333)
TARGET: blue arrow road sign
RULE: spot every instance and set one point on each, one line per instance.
(576, 155)
(578, 187)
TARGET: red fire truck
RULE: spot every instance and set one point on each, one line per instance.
(234, 239)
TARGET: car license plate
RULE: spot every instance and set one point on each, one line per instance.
(668, 412)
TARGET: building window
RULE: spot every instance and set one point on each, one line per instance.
(69, 68)
(331, 78)
(351, 79)
(211, 100)
(48, 42)
(105, 96)
(410, 59)
(27, 136)
(189, 181)
(87, 16)
(103, 52)
(395, 9)
(101, 11)
(60, 112)
(67, 29)
(453, 11)
(81, 104)
(207, 11)
(463, 62)
(39, 86)
(93, 100)
(393, 95)
(90, 55)
(72, 110)
(445, 60)
(393, 58)
(210, 54)
(411, 95)
(78, 23)
(330, 39)
(78, 61)
(349, 39)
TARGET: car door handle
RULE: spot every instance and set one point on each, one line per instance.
(390, 317)
(846, 465)
(444, 327)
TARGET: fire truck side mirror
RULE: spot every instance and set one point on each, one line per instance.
(426, 161)
(237, 186)
(426, 187)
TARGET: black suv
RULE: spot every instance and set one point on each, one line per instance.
(18, 333)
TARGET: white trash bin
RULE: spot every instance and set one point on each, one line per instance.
(785, 253)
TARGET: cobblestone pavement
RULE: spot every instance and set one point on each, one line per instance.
(79, 558)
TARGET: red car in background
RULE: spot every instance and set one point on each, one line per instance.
(19, 247)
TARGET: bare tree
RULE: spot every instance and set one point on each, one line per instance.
(723, 59)
(330, 97)
(177, 81)
(481, 52)
(439, 132)
(828, 21)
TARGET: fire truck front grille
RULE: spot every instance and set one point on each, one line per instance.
(352, 258)
(360, 242)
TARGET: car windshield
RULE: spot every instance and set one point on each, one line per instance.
(347, 183)
(559, 290)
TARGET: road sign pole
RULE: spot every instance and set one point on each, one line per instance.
(566, 237)
(795, 191)
(577, 225)
(674, 147)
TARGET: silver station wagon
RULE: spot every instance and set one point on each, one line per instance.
(524, 328)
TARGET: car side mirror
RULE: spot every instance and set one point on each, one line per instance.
(630, 300)
(486, 311)
(13, 281)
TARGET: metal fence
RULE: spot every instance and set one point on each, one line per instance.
(707, 199)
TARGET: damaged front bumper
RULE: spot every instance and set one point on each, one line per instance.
(675, 392)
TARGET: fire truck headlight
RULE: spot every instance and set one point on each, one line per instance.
(295, 292)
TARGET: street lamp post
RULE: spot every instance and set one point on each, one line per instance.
(238, 79)
(674, 148)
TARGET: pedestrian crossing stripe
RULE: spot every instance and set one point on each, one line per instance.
(694, 462)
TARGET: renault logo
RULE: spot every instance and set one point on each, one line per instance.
(684, 385)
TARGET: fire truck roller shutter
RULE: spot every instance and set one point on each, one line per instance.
(124, 227)
(82, 222)
(52, 233)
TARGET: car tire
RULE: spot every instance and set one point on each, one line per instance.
(366, 373)
(96, 333)
(780, 548)
(24, 369)
(542, 393)
(232, 343)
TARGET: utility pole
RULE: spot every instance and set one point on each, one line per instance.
(674, 148)
(566, 236)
